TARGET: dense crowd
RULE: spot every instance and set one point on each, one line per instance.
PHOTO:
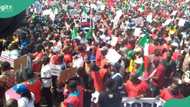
(118, 48)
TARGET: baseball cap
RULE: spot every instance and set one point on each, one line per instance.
(20, 88)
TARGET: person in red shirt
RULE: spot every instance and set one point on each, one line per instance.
(98, 56)
(96, 77)
(135, 87)
(38, 55)
(103, 71)
(73, 99)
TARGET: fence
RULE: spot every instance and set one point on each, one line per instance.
(142, 102)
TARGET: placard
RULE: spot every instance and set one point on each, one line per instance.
(21, 62)
(113, 56)
(66, 75)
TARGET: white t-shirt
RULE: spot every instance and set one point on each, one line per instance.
(24, 102)
(46, 73)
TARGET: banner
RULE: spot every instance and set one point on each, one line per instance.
(7, 59)
(142, 102)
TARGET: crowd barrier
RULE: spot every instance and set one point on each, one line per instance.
(142, 102)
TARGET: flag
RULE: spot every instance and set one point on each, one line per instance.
(144, 43)
(140, 70)
(149, 18)
(126, 5)
(74, 33)
(186, 10)
(84, 12)
(141, 8)
(144, 40)
(133, 3)
(88, 34)
(146, 56)
(162, 1)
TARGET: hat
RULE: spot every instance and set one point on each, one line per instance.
(72, 84)
(20, 88)
(14, 7)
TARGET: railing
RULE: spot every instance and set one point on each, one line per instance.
(142, 102)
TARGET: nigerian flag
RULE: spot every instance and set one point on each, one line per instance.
(126, 4)
(144, 40)
(56, 8)
(88, 34)
(133, 2)
(84, 11)
(140, 70)
(144, 43)
(162, 1)
(186, 10)
(74, 33)
(141, 8)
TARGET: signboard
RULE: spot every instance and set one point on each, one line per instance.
(66, 75)
(110, 54)
(21, 62)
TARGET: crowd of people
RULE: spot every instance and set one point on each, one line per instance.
(118, 48)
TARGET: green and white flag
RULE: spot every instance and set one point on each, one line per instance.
(56, 8)
(145, 39)
(74, 33)
(133, 3)
(88, 34)
(141, 8)
(149, 18)
(84, 11)
(186, 10)
(140, 70)
(143, 43)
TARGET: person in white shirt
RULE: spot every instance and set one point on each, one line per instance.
(27, 98)
(46, 77)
